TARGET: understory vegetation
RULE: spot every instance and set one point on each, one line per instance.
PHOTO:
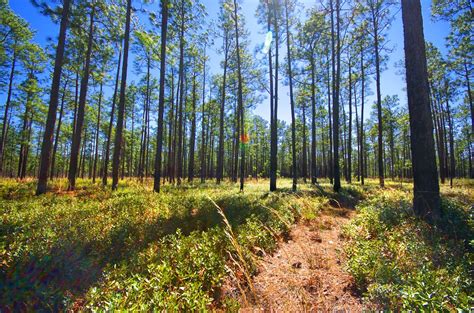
(400, 262)
(137, 250)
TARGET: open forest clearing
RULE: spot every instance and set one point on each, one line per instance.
(236, 155)
(139, 250)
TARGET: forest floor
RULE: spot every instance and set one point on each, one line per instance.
(306, 272)
(203, 247)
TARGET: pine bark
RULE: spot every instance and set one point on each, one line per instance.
(426, 201)
(161, 97)
(121, 107)
(53, 103)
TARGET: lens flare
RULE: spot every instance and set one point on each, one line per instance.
(268, 42)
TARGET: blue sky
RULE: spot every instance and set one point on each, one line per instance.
(391, 82)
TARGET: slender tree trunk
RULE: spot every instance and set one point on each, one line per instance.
(76, 141)
(357, 131)
(192, 140)
(336, 81)
(131, 170)
(76, 102)
(392, 152)
(379, 104)
(3, 138)
(426, 200)
(121, 107)
(314, 174)
(171, 128)
(236, 142)
(343, 141)
(143, 164)
(362, 102)
(292, 102)
(452, 167)
(58, 129)
(161, 97)
(441, 138)
(220, 159)
(330, 159)
(471, 169)
(469, 96)
(349, 139)
(6, 136)
(182, 92)
(305, 156)
(141, 157)
(23, 136)
(82, 156)
(109, 131)
(274, 117)
(53, 103)
(240, 98)
(97, 130)
(203, 124)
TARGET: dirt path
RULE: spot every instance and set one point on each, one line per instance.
(306, 274)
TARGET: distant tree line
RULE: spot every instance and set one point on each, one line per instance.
(71, 109)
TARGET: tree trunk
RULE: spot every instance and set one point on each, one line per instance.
(305, 156)
(274, 102)
(330, 159)
(53, 103)
(24, 138)
(292, 102)
(362, 99)
(97, 130)
(336, 82)
(203, 123)
(58, 129)
(426, 200)
(161, 98)
(469, 96)
(121, 107)
(379, 104)
(3, 138)
(109, 131)
(192, 140)
(220, 157)
(314, 174)
(76, 140)
(452, 167)
(357, 131)
(349, 139)
(240, 98)
(182, 92)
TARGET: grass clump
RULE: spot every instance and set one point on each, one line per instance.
(401, 262)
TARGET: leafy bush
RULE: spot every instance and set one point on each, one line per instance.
(178, 274)
(401, 262)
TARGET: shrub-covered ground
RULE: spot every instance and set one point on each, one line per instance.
(135, 249)
(138, 250)
(400, 262)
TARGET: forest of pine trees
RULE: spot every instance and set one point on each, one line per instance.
(191, 120)
(154, 154)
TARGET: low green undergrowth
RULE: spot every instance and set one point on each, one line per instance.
(183, 273)
(135, 249)
(400, 262)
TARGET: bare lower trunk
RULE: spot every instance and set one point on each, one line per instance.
(426, 200)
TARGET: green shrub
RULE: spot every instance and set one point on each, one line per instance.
(401, 262)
